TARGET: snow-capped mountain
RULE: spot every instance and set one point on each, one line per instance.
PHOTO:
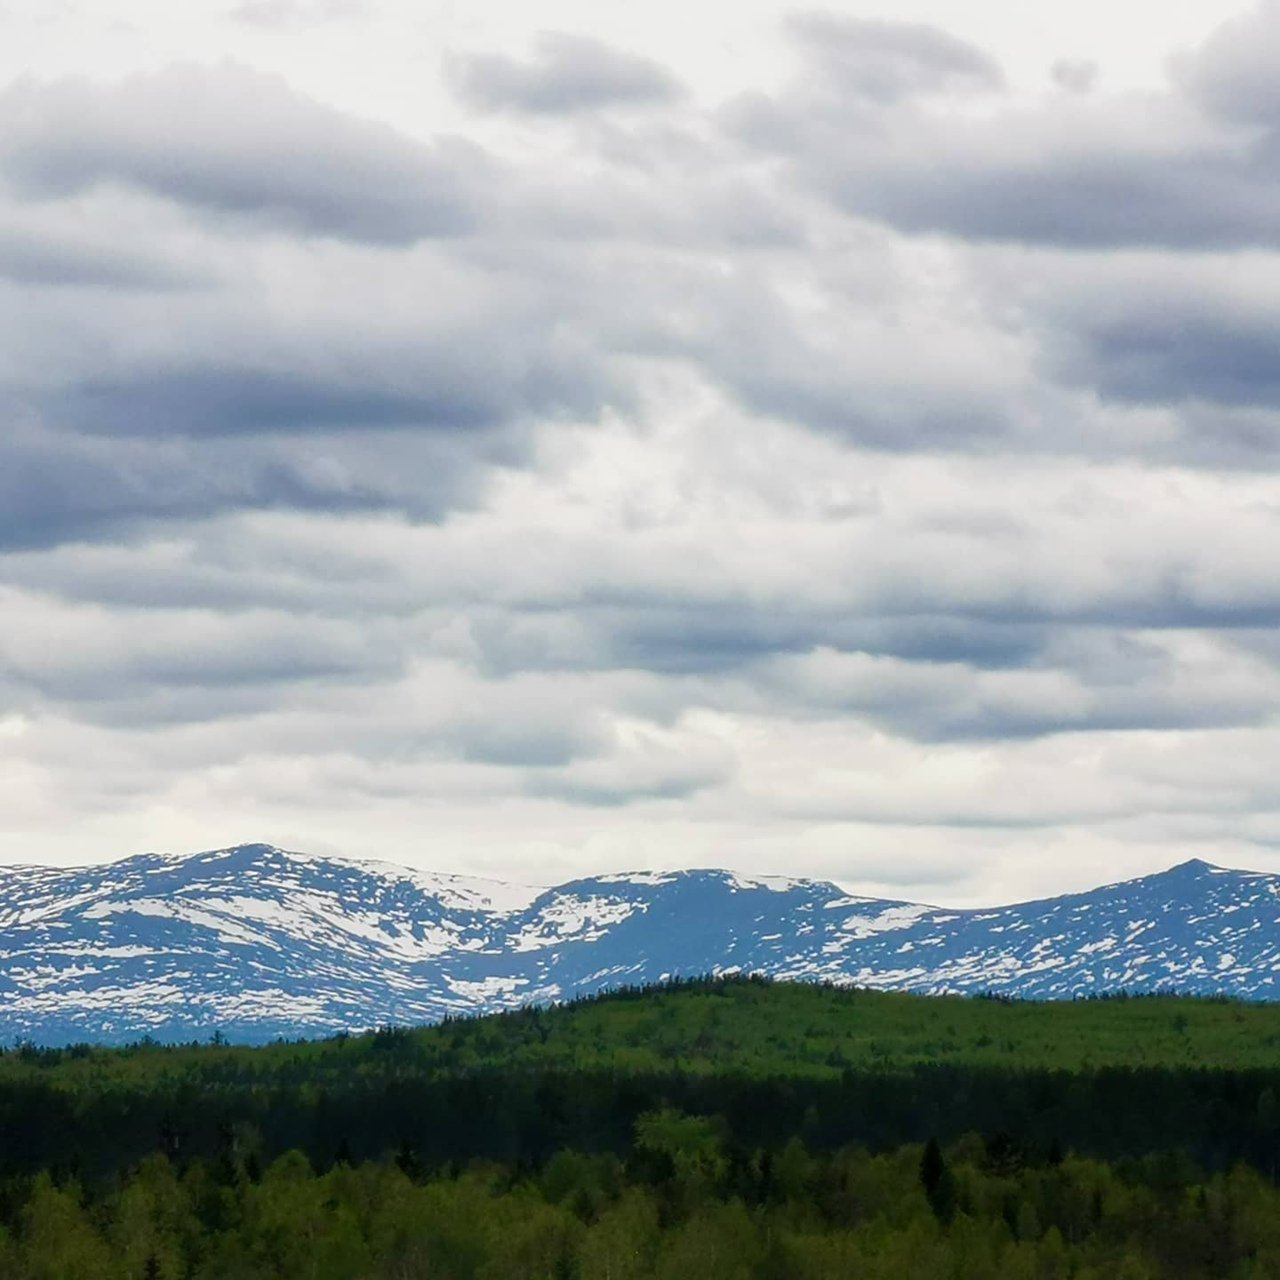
(254, 942)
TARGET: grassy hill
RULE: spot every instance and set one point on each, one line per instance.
(743, 1026)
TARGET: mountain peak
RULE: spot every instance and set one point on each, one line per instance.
(253, 849)
(1193, 867)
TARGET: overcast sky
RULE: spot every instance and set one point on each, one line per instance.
(538, 440)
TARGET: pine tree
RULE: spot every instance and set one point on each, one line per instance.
(938, 1182)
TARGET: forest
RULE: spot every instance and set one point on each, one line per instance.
(735, 1127)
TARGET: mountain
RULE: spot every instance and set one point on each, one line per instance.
(256, 943)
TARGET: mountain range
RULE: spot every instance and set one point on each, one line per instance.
(254, 943)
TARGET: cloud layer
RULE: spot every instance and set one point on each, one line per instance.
(871, 473)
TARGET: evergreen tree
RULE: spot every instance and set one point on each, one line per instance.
(938, 1182)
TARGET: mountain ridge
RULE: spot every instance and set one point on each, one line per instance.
(256, 942)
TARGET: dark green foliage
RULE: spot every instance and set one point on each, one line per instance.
(697, 1214)
(720, 1128)
(937, 1181)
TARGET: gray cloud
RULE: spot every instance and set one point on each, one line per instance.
(233, 400)
(1236, 72)
(950, 678)
(1135, 170)
(886, 61)
(1076, 75)
(1187, 337)
(972, 183)
(717, 636)
(567, 74)
(1172, 355)
(236, 143)
(172, 665)
(56, 487)
(1206, 199)
(44, 260)
(336, 378)
(825, 345)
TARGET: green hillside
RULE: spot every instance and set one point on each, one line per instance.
(744, 1026)
(1111, 1077)
(731, 1128)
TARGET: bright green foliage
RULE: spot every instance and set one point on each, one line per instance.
(59, 1239)
(828, 1216)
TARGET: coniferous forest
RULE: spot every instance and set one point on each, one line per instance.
(727, 1127)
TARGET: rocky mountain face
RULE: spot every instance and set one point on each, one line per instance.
(256, 943)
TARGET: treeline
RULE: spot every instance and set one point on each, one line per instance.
(1217, 1118)
(687, 1201)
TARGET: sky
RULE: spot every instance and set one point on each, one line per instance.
(544, 440)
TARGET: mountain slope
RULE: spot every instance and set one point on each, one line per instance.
(256, 943)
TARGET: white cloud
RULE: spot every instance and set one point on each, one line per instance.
(592, 484)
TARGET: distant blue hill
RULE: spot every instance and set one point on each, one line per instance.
(256, 943)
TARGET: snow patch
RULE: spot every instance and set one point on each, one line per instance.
(897, 917)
